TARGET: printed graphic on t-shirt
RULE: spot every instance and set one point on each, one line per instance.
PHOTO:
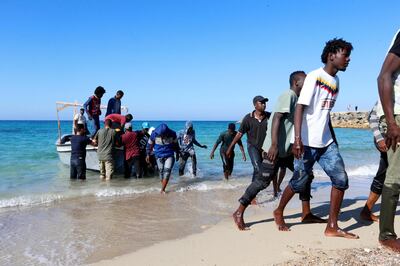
(187, 139)
(325, 85)
(327, 103)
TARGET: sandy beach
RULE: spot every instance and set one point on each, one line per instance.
(263, 244)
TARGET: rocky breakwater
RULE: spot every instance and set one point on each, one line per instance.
(350, 119)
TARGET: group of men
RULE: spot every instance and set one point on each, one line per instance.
(108, 138)
(299, 134)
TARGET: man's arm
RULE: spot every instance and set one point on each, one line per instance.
(332, 132)
(385, 87)
(373, 121)
(273, 150)
(242, 149)
(234, 141)
(195, 142)
(298, 148)
(86, 107)
(219, 140)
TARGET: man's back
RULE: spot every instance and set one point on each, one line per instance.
(78, 146)
(130, 140)
(106, 141)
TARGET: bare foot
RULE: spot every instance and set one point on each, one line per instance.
(238, 219)
(393, 244)
(279, 221)
(367, 215)
(337, 232)
(162, 192)
(312, 219)
(254, 202)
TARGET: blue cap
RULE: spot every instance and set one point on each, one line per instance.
(145, 125)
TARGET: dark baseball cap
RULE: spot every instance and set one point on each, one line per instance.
(259, 98)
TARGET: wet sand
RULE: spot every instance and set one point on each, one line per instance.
(263, 244)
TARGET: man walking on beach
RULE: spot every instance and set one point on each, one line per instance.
(389, 93)
(277, 152)
(255, 125)
(377, 125)
(105, 139)
(226, 139)
(314, 139)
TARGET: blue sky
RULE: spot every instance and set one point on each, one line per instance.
(179, 60)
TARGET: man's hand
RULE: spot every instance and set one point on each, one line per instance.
(272, 153)
(229, 153)
(382, 146)
(298, 148)
(393, 136)
(148, 159)
(204, 146)
(244, 157)
(211, 155)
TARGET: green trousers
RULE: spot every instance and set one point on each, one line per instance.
(390, 194)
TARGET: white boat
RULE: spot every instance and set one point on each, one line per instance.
(63, 143)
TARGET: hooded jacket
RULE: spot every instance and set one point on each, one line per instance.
(187, 139)
(164, 140)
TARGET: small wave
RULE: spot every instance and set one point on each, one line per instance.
(112, 192)
(29, 200)
(354, 171)
(207, 186)
(365, 170)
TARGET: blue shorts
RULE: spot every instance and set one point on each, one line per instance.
(330, 161)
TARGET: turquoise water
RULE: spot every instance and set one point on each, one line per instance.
(31, 173)
(46, 219)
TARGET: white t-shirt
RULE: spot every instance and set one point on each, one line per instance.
(80, 118)
(318, 94)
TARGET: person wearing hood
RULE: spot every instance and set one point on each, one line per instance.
(164, 142)
(187, 140)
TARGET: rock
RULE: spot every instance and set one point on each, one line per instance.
(350, 119)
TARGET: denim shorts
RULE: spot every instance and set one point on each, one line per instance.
(330, 161)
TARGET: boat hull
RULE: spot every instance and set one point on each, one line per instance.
(92, 161)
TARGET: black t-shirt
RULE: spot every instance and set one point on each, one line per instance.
(78, 146)
(256, 130)
(143, 139)
(395, 49)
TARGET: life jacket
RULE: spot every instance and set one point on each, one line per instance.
(94, 107)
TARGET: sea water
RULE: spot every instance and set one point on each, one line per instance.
(47, 219)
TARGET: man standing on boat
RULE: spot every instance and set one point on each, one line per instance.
(80, 118)
(114, 104)
(93, 107)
